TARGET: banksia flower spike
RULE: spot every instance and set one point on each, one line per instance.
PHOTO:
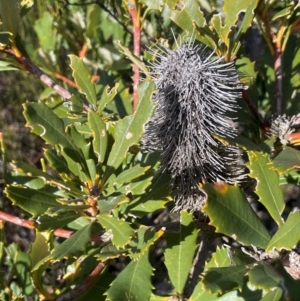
(194, 93)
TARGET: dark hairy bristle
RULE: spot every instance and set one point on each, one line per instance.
(194, 93)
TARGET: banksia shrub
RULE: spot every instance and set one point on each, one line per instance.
(194, 94)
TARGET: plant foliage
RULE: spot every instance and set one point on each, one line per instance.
(100, 206)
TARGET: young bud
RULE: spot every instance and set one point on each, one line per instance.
(194, 93)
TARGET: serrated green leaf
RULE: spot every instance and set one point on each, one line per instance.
(220, 280)
(133, 58)
(10, 15)
(267, 188)
(263, 276)
(133, 283)
(39, 249)
(287, 235)
(231, 214)
(74, 246)
(219, 259)
(246, 23)
(128, 175)
(83, 79)
(199, 294)
(61, 219)
(188, 14)
(98, 128)
(107, 96)
(121, 230)
(286, 160)
(129, 130)
(292, 177)
(144, 239)
(274, 295)
(180, 251)
(45, 123)
(155, 198)
(110, 252)
(107, 205)
(33, 201)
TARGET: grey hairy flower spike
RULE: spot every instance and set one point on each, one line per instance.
(194, 93)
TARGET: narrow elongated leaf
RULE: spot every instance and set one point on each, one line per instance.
(39, 249)
(61, 219)
(129, 130)
(83, 79)
(180, 251)
(46, 124)
(107, 96)
(74, 246)
(133, 283)
(106, 205)
(10, 15)
(98, 128)
(130, 174)
(288, 234)
(220, 280)
(121, 231)
(231, 214)
(267, 188)
(31, 200)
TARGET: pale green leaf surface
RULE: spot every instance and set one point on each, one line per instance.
(199, 294)
(121, 230)
(274, 295)
(83, 79)
(263, 276)
(44, 29)
(129, 130)
(190, 13)
(231, 214)
(98, 128)
(267, 188)
(219, 259)
(133, 283)
(153, 4)
(180, 251)
(39, 249)
(288, 234)
(287, 160)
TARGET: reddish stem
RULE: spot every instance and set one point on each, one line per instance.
(278, 80)
(32, 225)
(37, 72)
(134, 13)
